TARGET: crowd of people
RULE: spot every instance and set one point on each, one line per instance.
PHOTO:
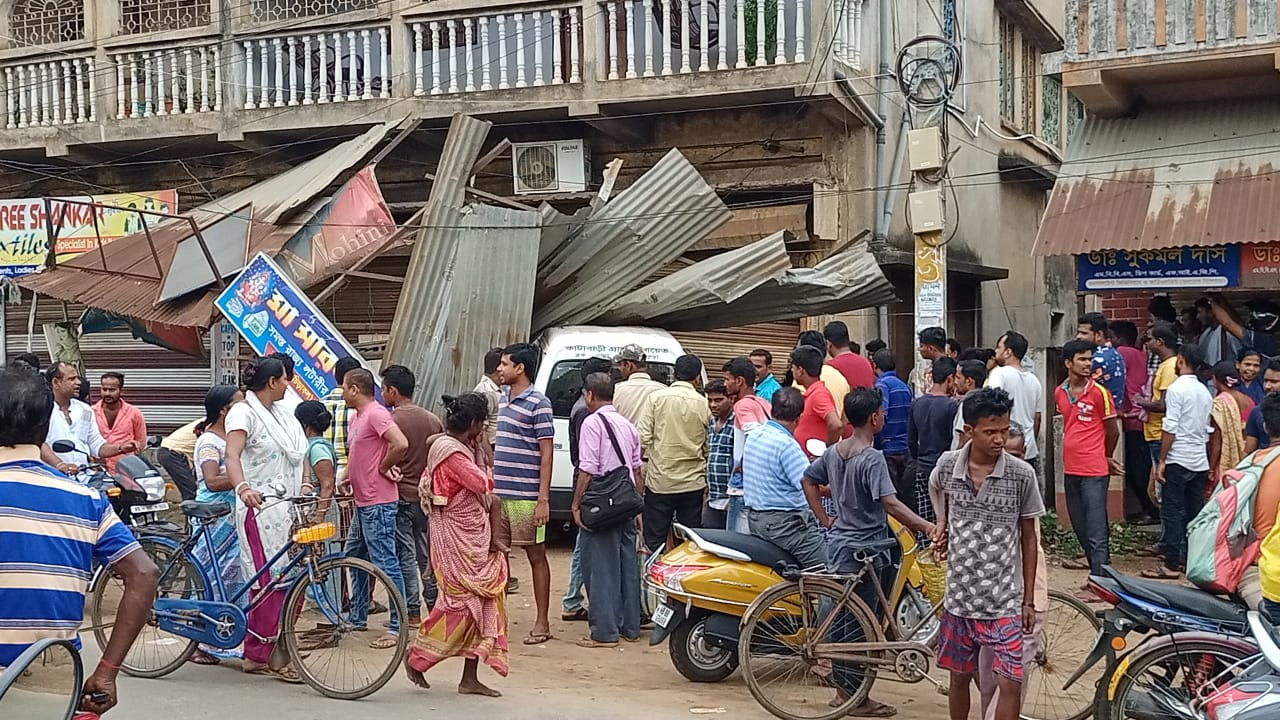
(814, 456)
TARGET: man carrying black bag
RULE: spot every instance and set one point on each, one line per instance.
(605, 509)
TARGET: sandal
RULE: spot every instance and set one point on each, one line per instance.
(318, 640)
(537, 638)
(1075, 564)
(594, 644)
(200, 657)
(284, 674)
(873, 709)
(1162, 573)
(385, 642)
(579, 615)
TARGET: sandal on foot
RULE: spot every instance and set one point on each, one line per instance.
(537, 638)
(201, 657)
(1075, 564)
(284, 674)
(1162, 573)
(873, 709)
(579, 615)
(385, 642)
(593, 644)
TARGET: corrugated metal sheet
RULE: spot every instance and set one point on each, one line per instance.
(134, 282)
(847, 281)
(482, 295)
(717, 347)
(716, 280)
(1203, 174)
(469, 283)
(749, 224)
(664, 213)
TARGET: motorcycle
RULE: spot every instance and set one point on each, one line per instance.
(44, 683)
(1253, 694)
(136, 491)
(1188, 631)
(705, 585)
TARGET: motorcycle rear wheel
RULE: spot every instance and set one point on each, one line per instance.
(695, 658)
(1165, 674)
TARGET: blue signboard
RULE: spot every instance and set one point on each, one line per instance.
(274, 316)
(1172, 268)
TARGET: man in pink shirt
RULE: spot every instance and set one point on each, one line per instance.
(1137, 459)
(120, 422)
(375, 445)
(855, 368)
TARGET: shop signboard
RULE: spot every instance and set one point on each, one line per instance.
(1260, 265)
(273, 315)
(1185, 267)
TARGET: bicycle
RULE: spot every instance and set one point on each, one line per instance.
(191, 608)
(814, 629)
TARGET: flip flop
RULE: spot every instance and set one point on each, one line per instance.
(537, 638)
(385, 642)
(595, 644)
(1162, 573)
(579, 615)
(285, 674)
(201, 657)
(874, 710)
(1075, 564)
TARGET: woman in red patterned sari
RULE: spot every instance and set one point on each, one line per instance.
(469, 619)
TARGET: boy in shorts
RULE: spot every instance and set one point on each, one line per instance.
(522, 471)
(987, 502)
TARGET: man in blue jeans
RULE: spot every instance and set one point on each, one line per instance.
(572, 606)
(375, 445)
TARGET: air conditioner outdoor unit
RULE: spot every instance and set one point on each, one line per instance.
(561, 166)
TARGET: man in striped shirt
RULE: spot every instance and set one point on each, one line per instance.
(522, 470)
(51, 531)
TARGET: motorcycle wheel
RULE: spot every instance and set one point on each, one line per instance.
(912, 607)
(1160, 679)
(695, 658)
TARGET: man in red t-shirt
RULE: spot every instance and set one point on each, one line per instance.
(820, 419)
(1091, 429)
(855, 368)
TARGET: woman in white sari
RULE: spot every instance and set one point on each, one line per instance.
(265, 450)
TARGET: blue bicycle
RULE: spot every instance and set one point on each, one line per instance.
(332, 654)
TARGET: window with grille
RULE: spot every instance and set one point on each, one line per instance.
(270, 10)
(46, 22)
(1051, 110)
(144, 16)
(1008, 61)
(1029, 87)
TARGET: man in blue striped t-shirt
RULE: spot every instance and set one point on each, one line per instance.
(522, 470)
(51, 531)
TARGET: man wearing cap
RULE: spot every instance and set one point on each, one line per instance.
(631, 396)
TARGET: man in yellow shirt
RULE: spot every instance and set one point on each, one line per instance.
(631, 396)
(673, 433)
(1163, 342)
(177, 455)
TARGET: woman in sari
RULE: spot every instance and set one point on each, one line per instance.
(1231, 407)
(265, 449)
(212, 485)
(469, 619)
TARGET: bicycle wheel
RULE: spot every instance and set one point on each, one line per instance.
(1161, 677)
(156, 652)
(783, 660)
(1070, 628)
(331, 654)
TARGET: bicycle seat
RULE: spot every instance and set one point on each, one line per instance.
(205, 510)
(1178, 597)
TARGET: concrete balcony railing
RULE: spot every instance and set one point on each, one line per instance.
(168, 80)
(50, 92)
(530, 46)
(341, 65)
(698, 36)
(847, 44)
(1096, 31)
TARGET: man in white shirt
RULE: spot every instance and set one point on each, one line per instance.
(1184, 459)
(631, 396)
(1025, 389)
(488, 387)
(73, 420)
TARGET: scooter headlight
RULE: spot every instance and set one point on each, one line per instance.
(672, 576)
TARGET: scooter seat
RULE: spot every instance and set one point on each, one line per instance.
(760, 551)
(1191, 600)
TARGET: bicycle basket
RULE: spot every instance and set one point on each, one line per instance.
(934, 572)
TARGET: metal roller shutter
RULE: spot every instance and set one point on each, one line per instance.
(169, 387)
(716, 347)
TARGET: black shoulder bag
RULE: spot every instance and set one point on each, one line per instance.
(612, 498)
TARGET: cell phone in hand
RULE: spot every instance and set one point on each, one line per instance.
(98, 697)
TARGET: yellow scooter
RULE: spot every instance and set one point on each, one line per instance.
(704, 586)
